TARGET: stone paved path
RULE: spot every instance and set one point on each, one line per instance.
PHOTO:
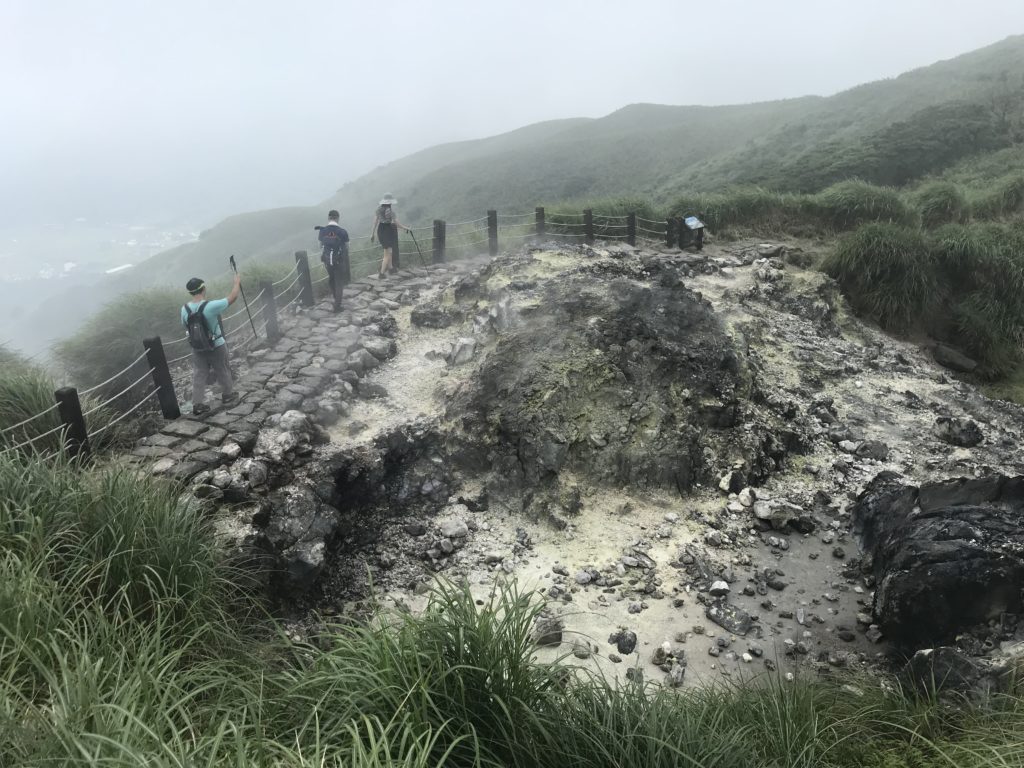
(319, 363)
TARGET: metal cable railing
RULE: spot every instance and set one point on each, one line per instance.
(125, 415)
(127, 389)
(31, 440)
(29, 420)
(117, 375)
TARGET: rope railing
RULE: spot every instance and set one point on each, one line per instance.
(31, 440)
(117, 375)
(127, 389)
(125, 415)
(282, 293)
(29, 420)
(289, 274)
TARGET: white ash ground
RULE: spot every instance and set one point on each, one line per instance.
(882, 390)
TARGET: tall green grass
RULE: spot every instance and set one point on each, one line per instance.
(26, 390)
(1003, 198)
(125, 640)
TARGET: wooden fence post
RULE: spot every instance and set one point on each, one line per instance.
(492, 233)
(76, 436)
(539, 217)
(305, 278)
(588, 226)
(670, 232)
(438, 244)
(161, 377)
(270, 311)
(631, 228)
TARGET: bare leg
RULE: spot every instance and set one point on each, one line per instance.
(385, 265)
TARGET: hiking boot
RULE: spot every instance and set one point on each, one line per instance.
(230, 399)
(200, 408)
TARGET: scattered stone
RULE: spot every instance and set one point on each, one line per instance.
(730, 618)
(463, 351)
(964, 433)
(950, 358)
(624, 641)
(548, 631)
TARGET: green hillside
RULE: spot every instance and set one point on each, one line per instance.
(657, 151)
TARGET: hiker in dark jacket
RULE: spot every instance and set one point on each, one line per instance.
(385, 229)
(201, 319)
(334, 240)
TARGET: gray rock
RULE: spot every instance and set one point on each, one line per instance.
(295, 421)
(381, 348)
(463, 351)
(964, 433)
(453, 528)
(719, 589)
(950, 358)
(548, 631)
(624, 641)
(729, 617)
(872, 449)
(184, 428)
(945, 556)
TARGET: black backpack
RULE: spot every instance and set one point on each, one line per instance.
(199, 336)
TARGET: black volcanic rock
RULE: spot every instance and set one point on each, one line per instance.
(946, 556)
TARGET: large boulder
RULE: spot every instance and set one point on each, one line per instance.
(299, 530)
(946, 556)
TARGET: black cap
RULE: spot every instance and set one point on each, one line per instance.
(194, 286)
(333, 214)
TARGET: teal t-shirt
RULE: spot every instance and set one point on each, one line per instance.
(211, 314)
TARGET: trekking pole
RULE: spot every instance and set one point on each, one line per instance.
(235, 269)
(422, 261)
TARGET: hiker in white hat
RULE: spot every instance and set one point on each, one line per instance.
(385, 229)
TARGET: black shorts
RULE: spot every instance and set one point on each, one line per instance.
(387, 235)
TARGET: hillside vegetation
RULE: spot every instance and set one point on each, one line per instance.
(888, 132)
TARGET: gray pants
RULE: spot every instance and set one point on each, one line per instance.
(203, 363)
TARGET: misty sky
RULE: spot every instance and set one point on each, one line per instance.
(132, 109)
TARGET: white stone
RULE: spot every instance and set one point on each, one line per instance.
(453, 528)
(719, 588)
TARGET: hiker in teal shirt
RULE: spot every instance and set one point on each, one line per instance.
(209, 348)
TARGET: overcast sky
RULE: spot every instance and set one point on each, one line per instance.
(136, 109)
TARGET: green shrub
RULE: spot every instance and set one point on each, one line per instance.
(983, 267)
(1003, 198)
(941, 202)
(848, 204)
(888, 272)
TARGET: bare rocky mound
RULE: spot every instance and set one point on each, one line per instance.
(613, 373)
